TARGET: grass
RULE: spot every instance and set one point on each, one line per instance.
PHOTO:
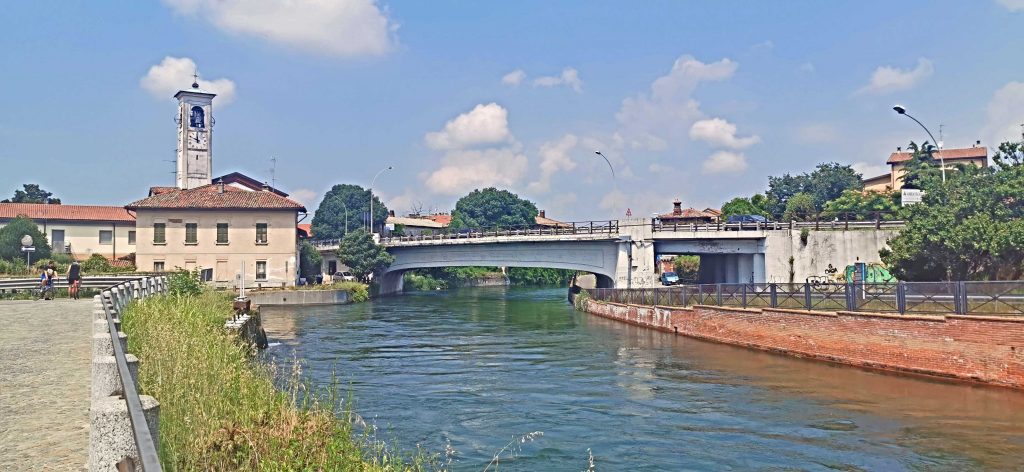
(221, 411)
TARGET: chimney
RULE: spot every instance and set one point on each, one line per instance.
(220, 186)
(391, 212)
(266, 187)
(677, 207)
(542, 214)
(899, 148)
(977, 143)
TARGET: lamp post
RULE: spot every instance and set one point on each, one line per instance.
(942, 162)
(346, 214)
(615, 183)
(372, 182)
(28, 249)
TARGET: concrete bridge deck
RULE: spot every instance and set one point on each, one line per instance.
(45, 381)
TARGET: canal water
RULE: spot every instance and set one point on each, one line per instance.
(473, 370)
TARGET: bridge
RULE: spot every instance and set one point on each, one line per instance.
(624, 253)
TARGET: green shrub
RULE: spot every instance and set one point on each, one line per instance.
(184, 283)
(357, 292)
(10, 240)
(580, 302)
(804, 234)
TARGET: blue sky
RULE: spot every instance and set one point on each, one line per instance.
(700, 101)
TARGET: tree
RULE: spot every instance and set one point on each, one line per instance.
(970, 228)
(32, 194)
(756, 205)
(800, 207)
(10, 240)
(362, 255)
(490, 208)
(329, 221)
(310, 261)
(855, 204)
(827, 182)
(687, 267)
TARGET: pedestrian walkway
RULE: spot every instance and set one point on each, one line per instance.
(45, 362)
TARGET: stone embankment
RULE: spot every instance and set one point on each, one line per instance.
(299, 297)
(971, 348)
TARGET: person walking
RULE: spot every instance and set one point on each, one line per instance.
(46, 283)
(74, 279)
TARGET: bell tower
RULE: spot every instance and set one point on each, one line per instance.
(195, 136)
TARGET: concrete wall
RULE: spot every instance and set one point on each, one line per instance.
(226, 260)
(299, 297)
(836, 247)
(971, 348)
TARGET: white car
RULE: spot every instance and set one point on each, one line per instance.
(343, 276)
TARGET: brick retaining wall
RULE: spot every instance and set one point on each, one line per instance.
(971, 348)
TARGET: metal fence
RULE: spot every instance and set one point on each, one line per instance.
(114, 299)
(926, 298)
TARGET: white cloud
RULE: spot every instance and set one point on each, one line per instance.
(719, 132)
(806, 67)
(725, 161)
(175, 73)
(338, 27)
(464, 170)
(763, 46)
(648, 120)
(514, 78)
(569, 77)
(306, 197)
(816, 133)
(1012, 5)
(888, 79)
(554, 157)
(484, 124)
(1005, 114)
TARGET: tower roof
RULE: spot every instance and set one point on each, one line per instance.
(195, 89)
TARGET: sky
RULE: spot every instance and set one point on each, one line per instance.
(700, 101)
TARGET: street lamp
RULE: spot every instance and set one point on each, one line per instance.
(615, 183)
(372, 182)
(942, 162)
(28, 249)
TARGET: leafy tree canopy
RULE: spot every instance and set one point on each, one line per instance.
(361, 254)
(970, 228)
(800, 207)
(329, 221)
(827, 182)
(855, 204)
(32, 194)
(756, 205)
(10, 240)
(310, 261)
(490, 208)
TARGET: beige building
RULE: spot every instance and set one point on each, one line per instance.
(893, 180)
(79, 230)
(220, 230)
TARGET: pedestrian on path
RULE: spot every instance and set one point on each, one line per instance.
(74, 279)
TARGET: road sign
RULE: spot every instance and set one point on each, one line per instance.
(910, 196)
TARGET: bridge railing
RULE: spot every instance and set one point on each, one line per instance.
(818, 221)
(905, 298)
(609, 228)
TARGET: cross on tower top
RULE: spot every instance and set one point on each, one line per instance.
(195, 79)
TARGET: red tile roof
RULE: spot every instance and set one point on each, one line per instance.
(687, 214)
(209, 197)
(947, 154)
(39, 211)
(443, 219)
(305, 228)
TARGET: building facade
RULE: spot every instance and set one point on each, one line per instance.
(79, 230)
(226, 233)
(976, 155)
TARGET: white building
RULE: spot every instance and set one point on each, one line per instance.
(79, 230)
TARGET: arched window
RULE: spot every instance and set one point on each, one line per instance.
(197, 117)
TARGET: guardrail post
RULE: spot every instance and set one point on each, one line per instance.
(807, 296)
(773, 295)
(851, 297)
(700, 294)
(683, 303)
(744, 295)
(961, 296)
(901, 297)
(718, 294)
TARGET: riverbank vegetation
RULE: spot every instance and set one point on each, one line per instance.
(221, 411)
(442, 278)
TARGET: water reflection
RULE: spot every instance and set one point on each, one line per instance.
(478, 366)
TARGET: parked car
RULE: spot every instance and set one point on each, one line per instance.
(745, 219)
(343, 276)
(669, 278)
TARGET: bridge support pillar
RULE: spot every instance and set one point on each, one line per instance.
(758, 269)
(732, 274)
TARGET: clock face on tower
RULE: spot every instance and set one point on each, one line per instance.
(198, 140)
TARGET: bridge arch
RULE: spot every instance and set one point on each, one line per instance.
(596, 257)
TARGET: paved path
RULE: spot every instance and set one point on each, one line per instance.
(45, 362)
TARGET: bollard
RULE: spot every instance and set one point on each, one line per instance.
(110, 431)
(106, 381)
(102, 345)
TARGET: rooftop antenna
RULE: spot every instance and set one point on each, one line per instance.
(273, 170)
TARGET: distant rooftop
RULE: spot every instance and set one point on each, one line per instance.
(40, 211)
